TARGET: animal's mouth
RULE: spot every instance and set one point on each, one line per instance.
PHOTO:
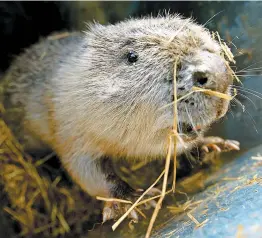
(188, 132)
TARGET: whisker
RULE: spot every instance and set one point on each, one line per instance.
(179, 127)
(250, 69)
(247, 90)
(205, 115)
(238, 93)
(248, 75)
(191, 121)
(232, 114)
(211, 18)
(230, 109)
(251, 118)
(242, 95)
(202, 119)
(231, 42)
(239, 103)
(251, 65)
(183, 134)
(178, 136)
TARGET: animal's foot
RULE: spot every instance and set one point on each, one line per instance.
(114, 209)
(219, 145)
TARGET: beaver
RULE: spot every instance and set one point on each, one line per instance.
(101, 94)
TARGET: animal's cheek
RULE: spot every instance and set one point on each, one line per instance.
(222, 108)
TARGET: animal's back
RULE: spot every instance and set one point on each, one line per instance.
(26, 85)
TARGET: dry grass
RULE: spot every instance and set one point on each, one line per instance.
(38, 203)
(137, 201)
(212, 93)
(163, 192)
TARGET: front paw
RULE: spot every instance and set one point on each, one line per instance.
(114, 209)
(219, 145)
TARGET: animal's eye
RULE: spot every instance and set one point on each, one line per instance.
(132, 56)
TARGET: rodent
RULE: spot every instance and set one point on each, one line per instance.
(97, 95)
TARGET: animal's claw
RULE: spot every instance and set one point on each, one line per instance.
(219, 145)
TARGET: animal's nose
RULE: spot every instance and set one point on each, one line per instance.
(200, 79)
(204, 70)
(210, 71)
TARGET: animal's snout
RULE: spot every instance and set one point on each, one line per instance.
(200, 79)
(204, 70)
(211, 72)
